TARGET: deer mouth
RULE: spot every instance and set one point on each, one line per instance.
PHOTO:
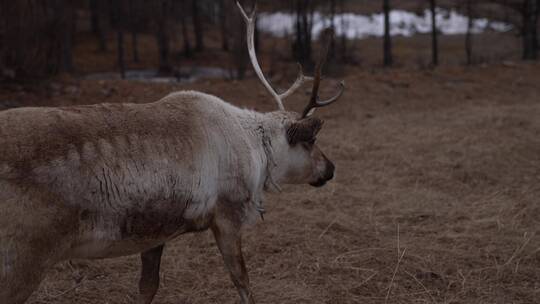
(328, 175)
(319, 183)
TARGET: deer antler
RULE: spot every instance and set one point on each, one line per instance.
(300, 80)
(315, 101)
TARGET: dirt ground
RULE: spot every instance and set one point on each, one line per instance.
(436, 198)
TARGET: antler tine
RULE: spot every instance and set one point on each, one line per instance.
(253, 11)
(314, 101)
(250, 23)
(310, 108)
(300, 80)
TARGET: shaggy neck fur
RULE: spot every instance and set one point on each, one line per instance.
(263, 130)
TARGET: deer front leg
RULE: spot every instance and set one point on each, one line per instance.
(228, 239)
(149, 282)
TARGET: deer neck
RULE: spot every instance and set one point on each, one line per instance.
(259, 141)
(260, 129)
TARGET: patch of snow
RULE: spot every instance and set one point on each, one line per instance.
(402, 23)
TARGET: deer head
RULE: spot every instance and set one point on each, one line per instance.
(295, 154)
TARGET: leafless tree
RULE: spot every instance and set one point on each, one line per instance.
(304, 10)
(65, 13)
(344, 48)
(434, 33)
(223, 12)
(530, 12)
(96, 17)
(134, 11)
(34, 48)
(197, 25)
(527, 12)
(468, 36)
(162, 37)
(185, 33)
(387, 44)
(239, 52)
(118, 21)
(332, 50)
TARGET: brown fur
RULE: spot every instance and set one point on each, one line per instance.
(304, 130)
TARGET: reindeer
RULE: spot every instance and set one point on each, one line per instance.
(109, 180)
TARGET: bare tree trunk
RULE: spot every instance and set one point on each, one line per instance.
(273, 61)
(197, 26)
(332, 50)
(240, 51)
(302, 45)
(257, 35)
(185, 34)
(26, 54)
(67, 13)
(100, 32)
(133, 26)
(344, 47)
(536, 12)
(94, 17)
(162, 37)
(223, 23)
(117, 19)
(387, 44)
(297, 51)
(530, 13)
(468, 36)
(434, 32)
(307, 24)
(96, 12)
(120, 44)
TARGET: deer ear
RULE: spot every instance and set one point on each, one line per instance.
(303, 130)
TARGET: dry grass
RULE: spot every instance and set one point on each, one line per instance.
(451, 157)
(451, 165)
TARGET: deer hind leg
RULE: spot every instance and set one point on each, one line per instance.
(228, 239)
(149, 282)
(21, 271)
(30, 240)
